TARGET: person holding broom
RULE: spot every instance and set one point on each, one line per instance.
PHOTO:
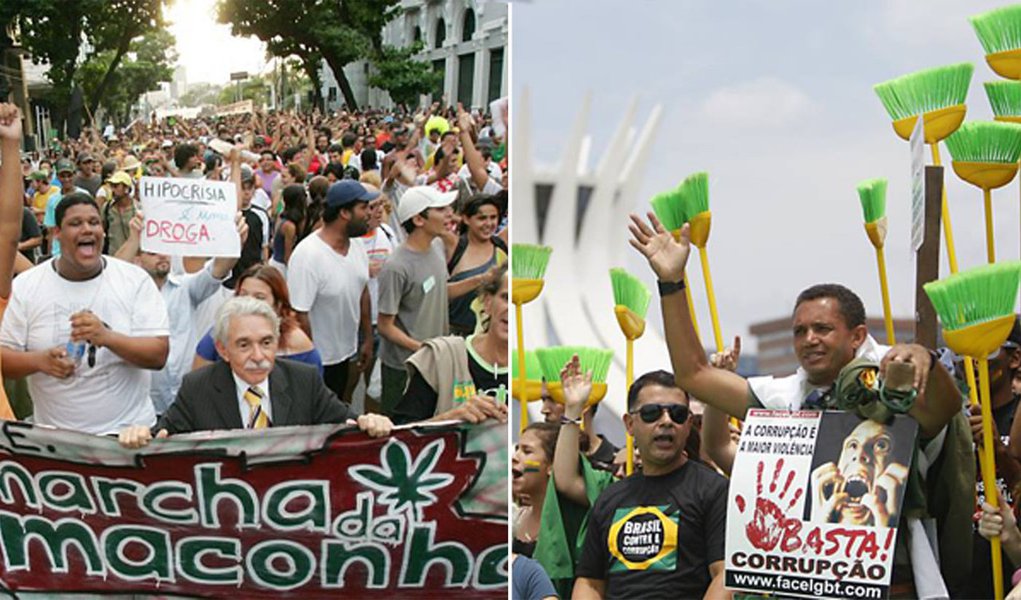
(829, 333)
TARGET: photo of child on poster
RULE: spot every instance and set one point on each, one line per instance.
(859, 470)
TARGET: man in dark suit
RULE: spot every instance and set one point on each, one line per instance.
(249, 389)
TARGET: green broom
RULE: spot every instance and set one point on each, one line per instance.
(631, 298)
(693, 195)
(937, 95)
(999, 32)
(597, 360)
(670, 212)
(872, 193)
(532, 390)
(985, 154)
(977, 311)
(1005, 99)
(528, 266)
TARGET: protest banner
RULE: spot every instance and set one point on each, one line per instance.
(816, 500)
(189, 217)
(284, 512)
(237, 108)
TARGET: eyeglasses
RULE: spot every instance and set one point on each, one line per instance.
(650, 413)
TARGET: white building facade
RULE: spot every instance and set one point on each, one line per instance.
(466, 40)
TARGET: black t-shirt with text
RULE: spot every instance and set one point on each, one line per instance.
(655, 537)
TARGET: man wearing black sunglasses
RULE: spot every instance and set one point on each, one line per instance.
(659, 533)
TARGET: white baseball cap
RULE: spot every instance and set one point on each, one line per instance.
(421, 197)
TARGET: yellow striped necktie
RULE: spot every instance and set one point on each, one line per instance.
(257, 418)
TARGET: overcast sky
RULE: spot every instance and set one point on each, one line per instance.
(206, 49)
(774, 99)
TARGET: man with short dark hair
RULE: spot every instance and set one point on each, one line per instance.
(188, 161)
(328, 277)
(85, 329)
(659, 533)
(118, 212)
(413, 287)
(87, 177)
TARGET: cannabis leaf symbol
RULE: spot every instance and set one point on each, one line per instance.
(404, 483)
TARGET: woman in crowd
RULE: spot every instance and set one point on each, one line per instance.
(470, 256)
(446, 373)
(294, 173)
(264, 282)
(531, 469)
(317, 189)
(290, 223)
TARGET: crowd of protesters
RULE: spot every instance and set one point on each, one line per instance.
(573, 503)
(366, 234)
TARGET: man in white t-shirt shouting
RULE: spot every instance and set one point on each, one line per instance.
(328, 279)
(86, 329)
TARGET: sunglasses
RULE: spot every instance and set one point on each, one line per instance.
(650, 413)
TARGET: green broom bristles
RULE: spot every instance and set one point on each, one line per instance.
(1004, 97)
(977, 295)
(925, 91)
(533, 370)
(872, 193)
(629, 291)
(529, 261)
(694, 194)
(554, 358)
(986, 141)
(669, 210)
(999, 29)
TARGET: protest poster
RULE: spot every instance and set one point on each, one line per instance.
(815, 503)
(189, 217)
(287, 512)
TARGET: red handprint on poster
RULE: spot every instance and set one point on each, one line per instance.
(770, 523)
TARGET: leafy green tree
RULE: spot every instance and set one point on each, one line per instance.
(403, 77)
(55, 32)
(147, 62)
(52, 31)
(341, 32)
(115, 27)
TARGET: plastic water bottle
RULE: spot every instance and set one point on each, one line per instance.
(75, 352)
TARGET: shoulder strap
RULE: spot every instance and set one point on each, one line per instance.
(499, 243)
(462, 245)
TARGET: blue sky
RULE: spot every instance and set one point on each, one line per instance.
(774, 99)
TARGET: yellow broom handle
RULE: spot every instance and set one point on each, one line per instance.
(521, 367)
(703, 255)
(884, 289)
(990, 246)
(989, 472)
(629, 376)
(948, 231)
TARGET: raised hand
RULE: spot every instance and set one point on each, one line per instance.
(728, 358)
(666, 256)
(577, 387)
(10, 122)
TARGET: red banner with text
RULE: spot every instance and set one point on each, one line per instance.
(288, 512)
